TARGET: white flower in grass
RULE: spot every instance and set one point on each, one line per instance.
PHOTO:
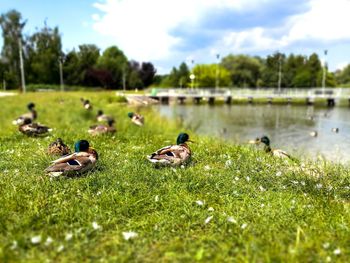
(337, 251)
(156, 198)
(210, 209)
(96, 226)
(173, 169)
(14, 245)
(228, 163)
(244, 225)
(302, 183)
(35, 240)
(69, 236)
(262, 189)
(318, 186)
(60, 248)
(294, 182)
(236, 178)
(199, 202)
(98, 193)
(328, 259)
(208, 219)
(247, 178)
(279, 173)
(207, 167)
(129, 235)
(326, 245)
(48, 241)
(231, 220)
(262, 205)
(182, 167)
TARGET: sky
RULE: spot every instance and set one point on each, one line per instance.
(169, 32)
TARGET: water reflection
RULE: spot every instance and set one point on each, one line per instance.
(288, 127)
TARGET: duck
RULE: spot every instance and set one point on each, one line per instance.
(101, 117)
(86, 103)
(33, 129)
(336, 130)
(274, 152)
(31, 115)
(58, 148)
(173, 155)
(102, 129)
(136, 118)
(313, 134)
(82, 160)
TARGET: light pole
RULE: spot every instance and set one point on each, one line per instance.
(192, 77)
(60, 63)
(324, 70)
(279, 72)
(217, 80)
(23, 81)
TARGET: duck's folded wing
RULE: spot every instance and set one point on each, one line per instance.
(74, 164)
(65, 158)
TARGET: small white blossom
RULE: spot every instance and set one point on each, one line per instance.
(98, 193)
(14, 245)
(337, 251)
(69, 236)
(243, 226)
(279, 173)
(228, 163)
(262, 189)
(129, 235)
(328, 259)
(199, 202)
(60, 248)
(236, 178)
(262, 205)
(319, 186)
(208, 219)
(35, 240)
(231, 220)
(326, 245)
(95, 226)
(48, 241)
(156, 198)
(207, 167)
(182, 167)
(247, 178)
(210, 209)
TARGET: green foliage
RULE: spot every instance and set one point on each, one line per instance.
(206, 75)
(343, 76)
(177, 77)
(250, 200)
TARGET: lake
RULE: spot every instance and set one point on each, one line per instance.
(287, 126)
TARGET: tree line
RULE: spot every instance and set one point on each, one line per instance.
(88, 66)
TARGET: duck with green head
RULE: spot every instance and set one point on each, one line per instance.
(33, 129)
(101, 117)
(86, 104)
(267, 148)
(103, 129)
(30, 116)
(136, 118)
(82, 160)
(174, 154)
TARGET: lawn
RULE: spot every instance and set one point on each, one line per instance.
(232, 203)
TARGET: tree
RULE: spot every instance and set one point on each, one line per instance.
(270, 72)
(343, 76)
(44, 51)
(147, 73)
(177, 77)
(244, 70)
(205, 76)
(114, 61)
(12, 25)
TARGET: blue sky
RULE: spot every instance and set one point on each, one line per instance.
(167, 32)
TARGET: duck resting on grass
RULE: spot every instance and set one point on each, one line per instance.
(102, 129)
(275, 152)
(58, 148)
(136, 118)
(86, 103)
(101, 117)
(31, 115)
(174, 154)
(82, 160)
(33, 129)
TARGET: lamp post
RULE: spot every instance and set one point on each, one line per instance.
(217, 80)
(324, 70)
(60, 63)
(192, 77)
(23, 81)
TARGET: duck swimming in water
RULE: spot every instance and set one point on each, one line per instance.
(174, 154)
(82, 160)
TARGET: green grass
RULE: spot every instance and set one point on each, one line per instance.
(263, 209)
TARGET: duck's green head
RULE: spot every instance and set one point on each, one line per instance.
(99, 112)
(265, 140)
(81, 146)
(131, 114)
(182, 138)
(31, 106)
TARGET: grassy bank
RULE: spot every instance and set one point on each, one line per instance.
(232, 203)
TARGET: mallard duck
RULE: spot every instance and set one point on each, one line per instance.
(336, 130)
(58, 148)
(83, 159)
(173, 154)
(103, 117)
(275, 152)
(31, 115)
(102, 129)
(33, 129)
(86, 103)
(313, 134)
(136, 118)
